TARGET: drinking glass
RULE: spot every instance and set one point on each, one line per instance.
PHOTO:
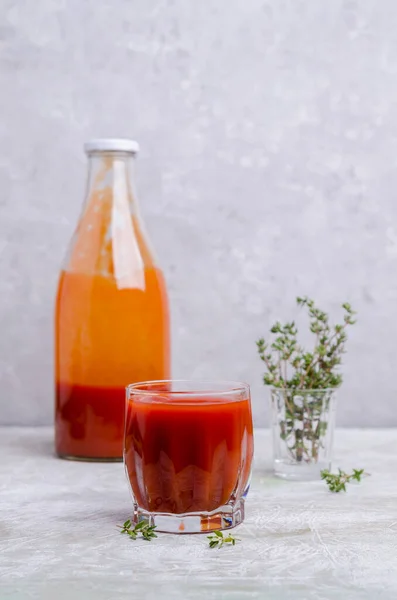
(188, 450)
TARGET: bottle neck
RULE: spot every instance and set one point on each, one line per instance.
(110, 239)
(112, 174)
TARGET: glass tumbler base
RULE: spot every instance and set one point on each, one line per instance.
(224, 517)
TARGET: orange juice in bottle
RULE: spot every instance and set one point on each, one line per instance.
(112, 320)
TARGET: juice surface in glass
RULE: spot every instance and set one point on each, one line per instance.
(111, 322)
(188, 453)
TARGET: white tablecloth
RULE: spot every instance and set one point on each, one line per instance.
(58, 535)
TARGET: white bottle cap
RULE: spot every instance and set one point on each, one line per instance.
(111, 145)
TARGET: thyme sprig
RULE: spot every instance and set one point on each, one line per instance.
(337, 482)
(142, 528)
(217, 539)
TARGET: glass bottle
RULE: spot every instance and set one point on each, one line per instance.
(112, 319)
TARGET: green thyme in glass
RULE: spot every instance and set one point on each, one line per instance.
(293, 369)
(337, 482)
(142, 528)
(217, 539)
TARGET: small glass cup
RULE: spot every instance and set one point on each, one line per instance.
(303, 432)
(188, 450)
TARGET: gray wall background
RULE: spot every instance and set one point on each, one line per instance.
(268, 131)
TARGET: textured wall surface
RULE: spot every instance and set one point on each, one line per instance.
(268, 169)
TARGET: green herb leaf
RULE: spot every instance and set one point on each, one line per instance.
(337, 482)
(217, 539)
(142, 528)
(357, 474)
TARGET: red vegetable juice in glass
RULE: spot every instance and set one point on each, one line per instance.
(111, 320)
(188, 451)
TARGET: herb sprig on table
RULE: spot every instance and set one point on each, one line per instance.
(337, 482)
(217, 539)
(142, 528)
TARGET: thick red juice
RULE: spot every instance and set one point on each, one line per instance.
(106, 338)
(185, 456)
(90, 421)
